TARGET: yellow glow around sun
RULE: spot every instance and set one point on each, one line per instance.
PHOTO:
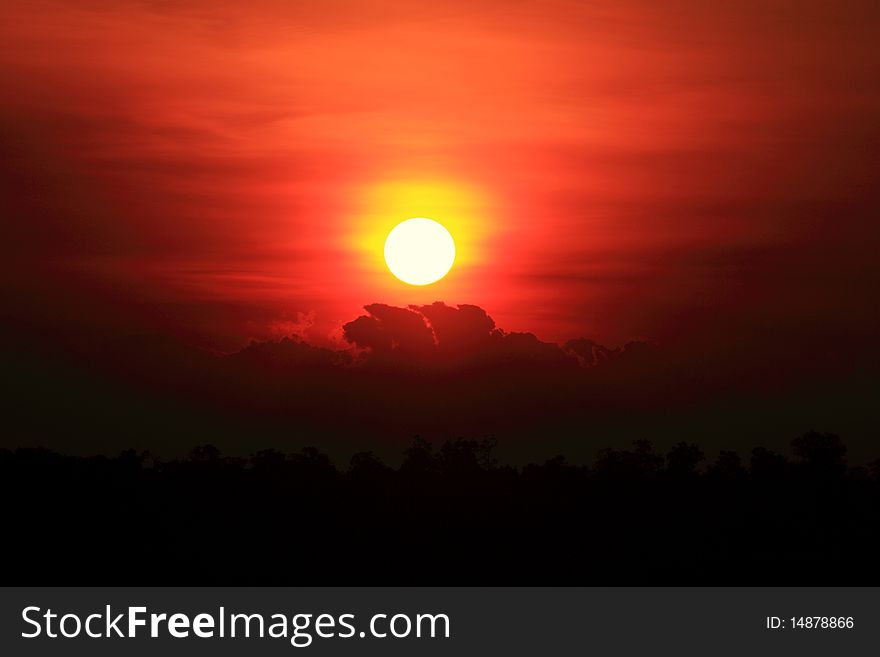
(419, 251)
(382, 206)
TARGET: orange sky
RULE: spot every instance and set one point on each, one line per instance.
(616, 169)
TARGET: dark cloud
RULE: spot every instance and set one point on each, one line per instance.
(448, 338)
(389, 329)
(589, 353)
(461, 328)
(437, 370)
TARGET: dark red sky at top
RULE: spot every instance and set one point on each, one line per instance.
(684, 172)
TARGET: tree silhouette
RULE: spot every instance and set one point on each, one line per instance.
(447, 515)
(682, 460)
(822, 452)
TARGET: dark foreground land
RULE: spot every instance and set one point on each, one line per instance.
(450, 516)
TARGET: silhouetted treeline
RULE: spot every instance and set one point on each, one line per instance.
(452, 515)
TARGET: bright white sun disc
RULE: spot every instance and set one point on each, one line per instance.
(419, 251)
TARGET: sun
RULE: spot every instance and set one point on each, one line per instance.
(419, 251)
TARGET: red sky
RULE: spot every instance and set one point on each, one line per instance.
(616, 169)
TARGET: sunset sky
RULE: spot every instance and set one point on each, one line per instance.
(699, 175)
